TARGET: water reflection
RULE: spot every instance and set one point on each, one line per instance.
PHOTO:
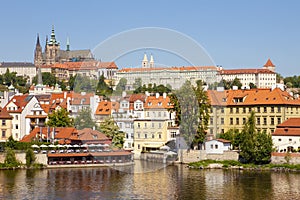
(140, 182)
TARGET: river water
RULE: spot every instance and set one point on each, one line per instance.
(147, 181)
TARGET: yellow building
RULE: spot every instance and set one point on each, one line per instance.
(157, 128)
(5, 125)
(230, 109)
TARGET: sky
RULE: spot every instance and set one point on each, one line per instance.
(233, 33)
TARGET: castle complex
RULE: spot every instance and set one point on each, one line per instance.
(53, 54)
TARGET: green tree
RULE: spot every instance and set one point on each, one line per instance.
(102, 88)
(137, 83)
(256, 147)
(233, 135)
(82, 83)
(252, 85)
(30, 157)
(263, 148)
(59, 118)
(84, 119)
(11, 143)
(121, 86)
(236, 82)
(203, 113)
(278, 78)
(10, 158)
(48, 79)
(111, 130)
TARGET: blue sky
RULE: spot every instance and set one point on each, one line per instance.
(236, 34)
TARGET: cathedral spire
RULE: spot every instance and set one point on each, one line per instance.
(52, 39)
(38, 57)
(38, 41)
(151, 61)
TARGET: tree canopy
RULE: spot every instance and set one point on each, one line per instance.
(121, 86)
(111, 130)
(84, 119)
(59, 118)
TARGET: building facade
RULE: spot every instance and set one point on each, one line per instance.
(6, 125)
(230, 109)
(25, 69)
(262, 78)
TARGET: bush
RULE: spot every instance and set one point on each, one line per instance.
(10, 158)
(30, 157)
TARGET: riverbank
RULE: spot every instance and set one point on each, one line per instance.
(232, 164)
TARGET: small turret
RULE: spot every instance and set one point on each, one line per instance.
(145, 61)
(151, 61)
(68, 44)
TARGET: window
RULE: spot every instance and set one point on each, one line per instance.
(265, 121)
(237, 121)
(258, 109)
(17, 117)
(139, 125)
(216, 146)
(278, 120)
(146, 136)
(139, 135)
(3, 133)
(258, 121)
(272, 109)
(211, 146)
(265, 109)
(244, 110)
(16, 126)
(244, 120)
(3, 122)
(231, 121)
(159, 136)
(152, 136)
(211, 120)
(290, 139)
(278, 109)
(222, 110)
(222, 121)
(272, 120)
(279, 139)
(139, 146)
(231, 110)
(145, 125)
(159, 125)
(237, 110)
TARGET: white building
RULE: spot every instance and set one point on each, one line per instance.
(286, 137)
(19, 107)
(174, 76)
(21, 68)
(217, 146)
(262, 78)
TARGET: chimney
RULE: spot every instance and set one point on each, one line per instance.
(65, 95)
(157, 95)
(164, 95)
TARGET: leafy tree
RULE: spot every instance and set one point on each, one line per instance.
(234, 136)
(252, 85)
(263, 148)
(278, 78)
(236, 82)
(102, 88)
(256, 147)
(111, 130)
(11, 143)
(59, 118)
(10, 158)
(48, 79)
(82, 83)
(72, 80)
(121, 86)
(203, 112)
(137, 83)
(152, 89)
(30, 157)
(84, 119)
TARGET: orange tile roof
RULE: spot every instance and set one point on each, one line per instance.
(4, 114)
(20, 101)
(86, 65)
(269, 63)
(106, 107)
(291, 122)
(160, 102)
(252, 97)
(65, 132)
(245, 71)
(187, 68)
(91, 135)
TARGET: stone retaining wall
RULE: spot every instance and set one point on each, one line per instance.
(280, 158)
(40, 158)
(185, 156)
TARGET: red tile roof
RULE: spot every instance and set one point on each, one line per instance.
(106, 107)
(20, 101)
(88, 134)
(269, 63)
(187, 68)
(160, 102)
(290, 127)
(4, 114)
(252, 97)
(86, 65)
(245, 71)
